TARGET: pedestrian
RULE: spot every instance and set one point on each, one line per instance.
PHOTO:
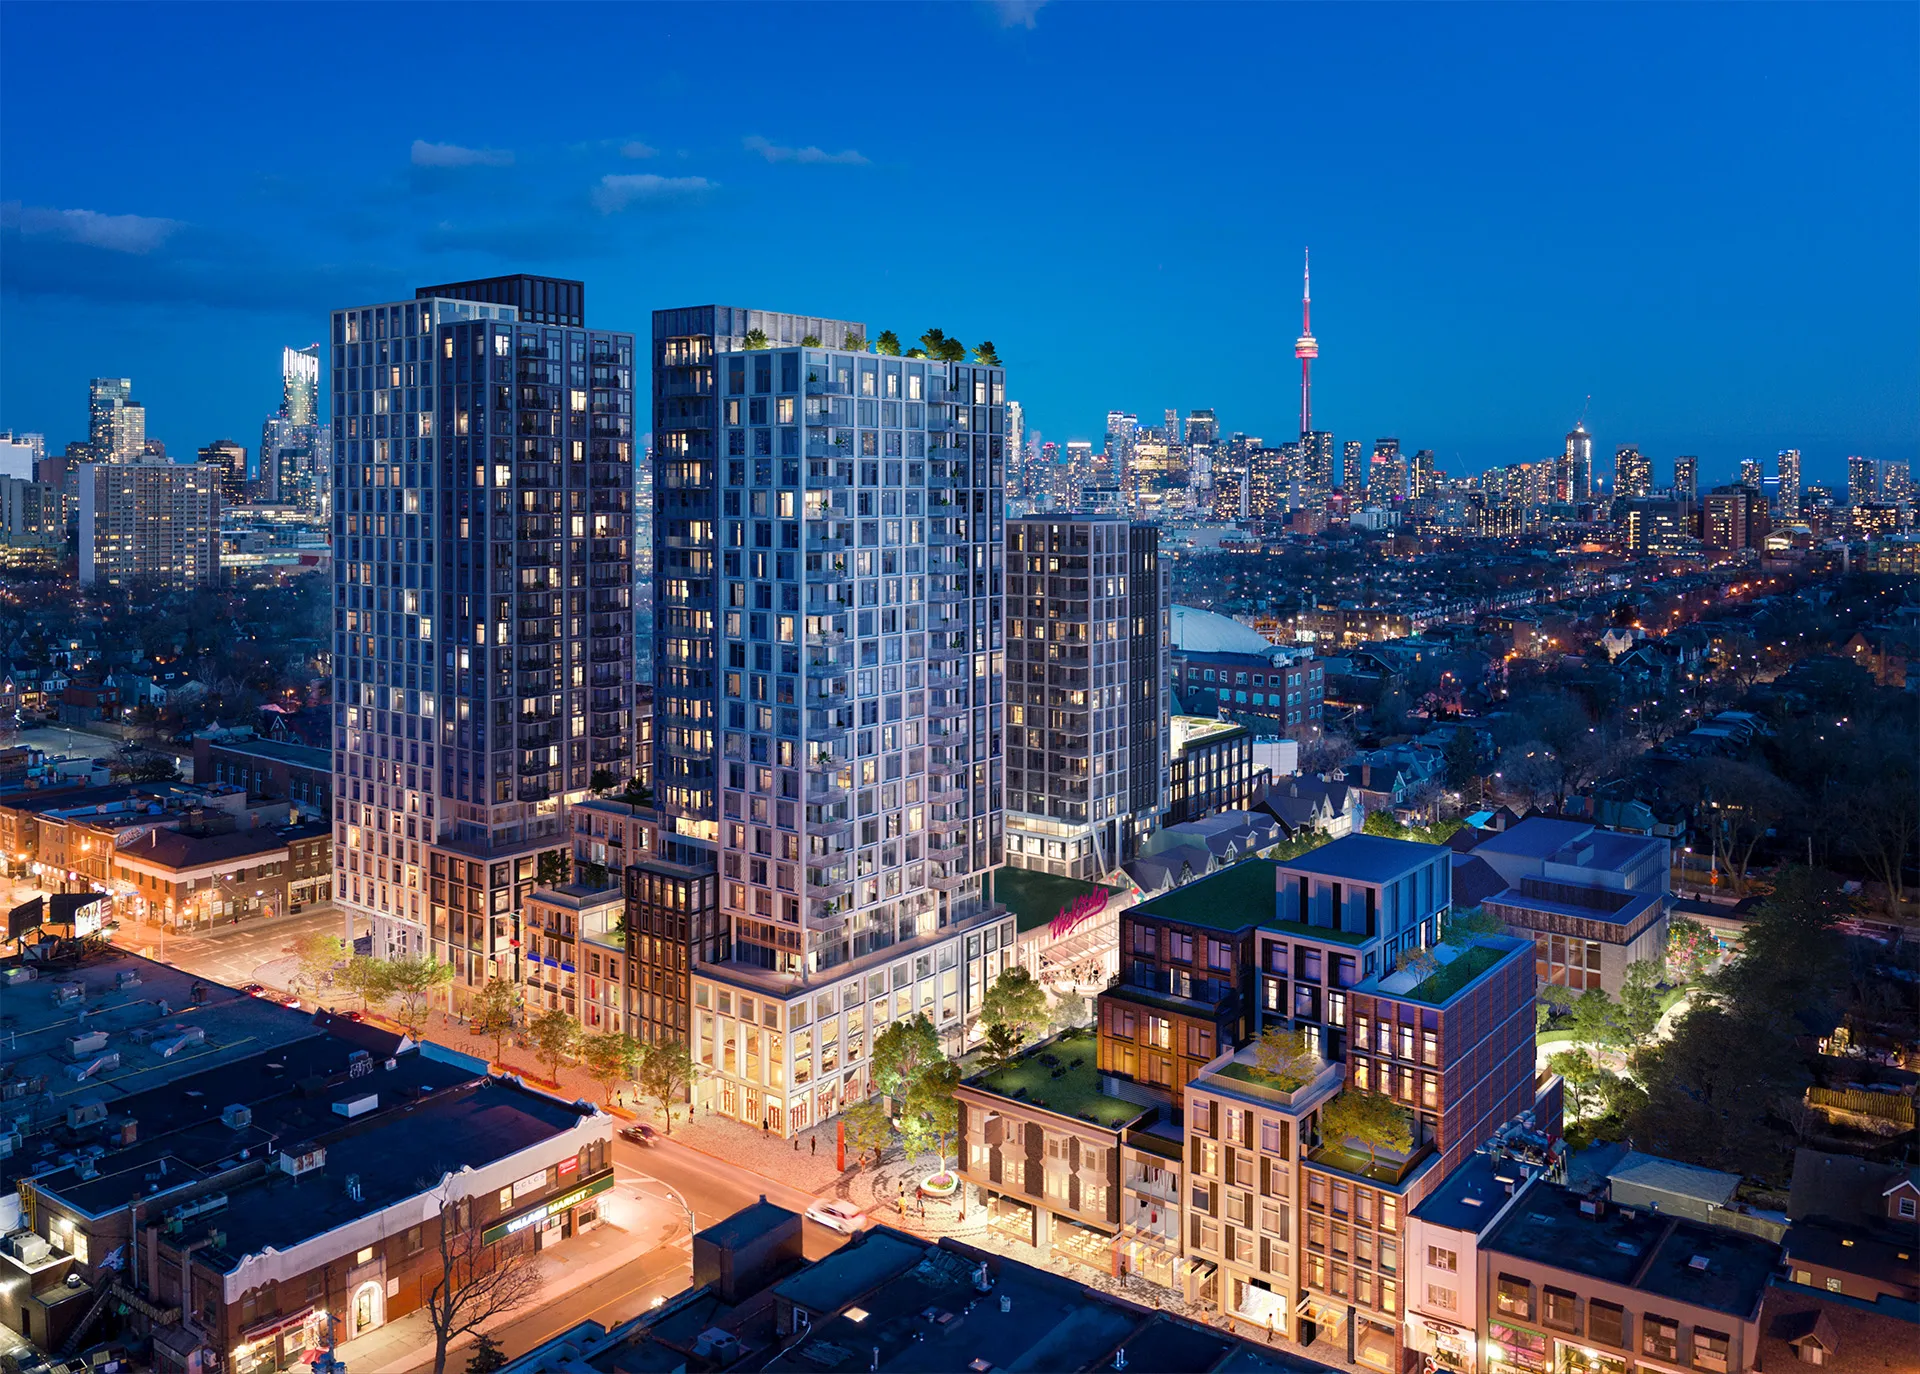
(816, 1145)
(796, 1144)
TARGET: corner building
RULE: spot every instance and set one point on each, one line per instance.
(483, 571)
(828, 535)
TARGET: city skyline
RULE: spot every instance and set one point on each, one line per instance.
(1445, 323)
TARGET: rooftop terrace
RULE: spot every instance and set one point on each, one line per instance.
(1069, 1084)
(1236, 898)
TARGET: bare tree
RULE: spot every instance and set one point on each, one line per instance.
(476, 1281)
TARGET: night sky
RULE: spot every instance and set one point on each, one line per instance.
(1703, 216)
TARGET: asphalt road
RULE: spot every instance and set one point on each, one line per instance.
(234, 955)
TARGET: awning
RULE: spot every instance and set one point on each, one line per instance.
(273, 1326)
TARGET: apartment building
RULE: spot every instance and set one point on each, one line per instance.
(1087, 688)
(149, 521)
(483, 579)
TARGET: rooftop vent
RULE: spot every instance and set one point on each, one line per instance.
(1698, 1264)
(237, 1117)
(359, 1105)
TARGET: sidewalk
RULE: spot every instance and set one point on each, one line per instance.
(407, 1342)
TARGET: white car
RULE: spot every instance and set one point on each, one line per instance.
(838, 1216)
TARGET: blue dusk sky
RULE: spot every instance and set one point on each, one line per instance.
(1705, 217)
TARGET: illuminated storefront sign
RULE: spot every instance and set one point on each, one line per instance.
(552, 1207)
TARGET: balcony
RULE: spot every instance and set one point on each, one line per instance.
(822, 386)
(824, 543)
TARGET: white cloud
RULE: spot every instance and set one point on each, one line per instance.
(618, 191)
(637, 149)
(115, 233)
(773, 152)
(427, 154)
(1018, 14)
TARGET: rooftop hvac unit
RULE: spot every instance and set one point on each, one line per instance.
(303, 1160)
(358, 1105)
(237, 1117)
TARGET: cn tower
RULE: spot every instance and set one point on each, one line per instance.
(1306, 348)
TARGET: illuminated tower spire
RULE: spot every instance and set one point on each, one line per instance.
(1306, 348)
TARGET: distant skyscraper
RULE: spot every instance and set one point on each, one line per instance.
(1016, 450)
(1575, 480)
(1686, 477)
(231, 461)
(1306, 348)
(1420, 480)
(1863, 480)
(483, 586)
(1123, 432)
(1172, 425)
(1352, 472)
(1314, 471)
(1750, 473)
(1790, 483)
(300, 384)
(1203, 436)
(1386, 479)
(35, 443)
(105, 395)
(1087, 771)
(1632, 472)
(150, 522)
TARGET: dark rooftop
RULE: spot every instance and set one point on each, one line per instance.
(1365, 858)
(1471, 1196)
(747, 1225)
(1682, 1261)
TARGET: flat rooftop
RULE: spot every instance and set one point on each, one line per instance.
(1370, 859)
(1471, 1196)
(277, 751)
(1036, 898)
(1681, 1260)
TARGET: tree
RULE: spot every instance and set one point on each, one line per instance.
(1373, 1119)
(1284, 1058)
(1462, 760)
(930, 1117)
(854, 343)
(983, 352)
(475, 1282)
(487, 1355)
(1710, 1087)
(367, 979)
(755, 338)
(1743, 802)
(411, 981)
(556, 866)
(1880, 816)
(1015, 1000)
(1639, 1011)
(1070, 1010)
(1419, 962)
(668, 1072)
(611, 1058)
(888, 343)
(1691, 948)
(555, 1035)
(1581, 1074)
(155, 768)
(868, 1128)
(901, 1051)
(809, 341)
(318, 953)
(492, 1011)
(601, 781)
(1475, 923)
(1595, 1019)
(1001, 1044)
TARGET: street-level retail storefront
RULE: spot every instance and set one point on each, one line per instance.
(566, 1214)
(279, 1342)
(1443, 1347)
(1518, 1348)
(1573, 1357)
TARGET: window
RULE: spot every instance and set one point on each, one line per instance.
(1441, 1297)
(1606, 1323)
(1514, 1297)
(1440, 1258)
(1811, 1352)
(1833, 1284)
(1907, 1207)
(1660, 1337)
(1710, 1349)
(1560, 1309)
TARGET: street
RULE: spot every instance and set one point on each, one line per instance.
(675, 1173)
(251, 952)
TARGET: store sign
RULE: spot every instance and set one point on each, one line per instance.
(532, 1183)
(569, 1165)
(552, 1207)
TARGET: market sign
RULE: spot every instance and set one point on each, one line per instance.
(533, 1216)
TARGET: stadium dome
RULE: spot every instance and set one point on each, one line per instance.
(1203, 632)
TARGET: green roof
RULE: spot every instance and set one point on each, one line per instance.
(1300, 931)
(1235, 898)
(1035, 898)
(1452, 976)
(1074, 1093)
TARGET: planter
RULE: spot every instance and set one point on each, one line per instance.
(943, 1184)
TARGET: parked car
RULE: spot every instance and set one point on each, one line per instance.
(838, 1216)
(253, 989)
